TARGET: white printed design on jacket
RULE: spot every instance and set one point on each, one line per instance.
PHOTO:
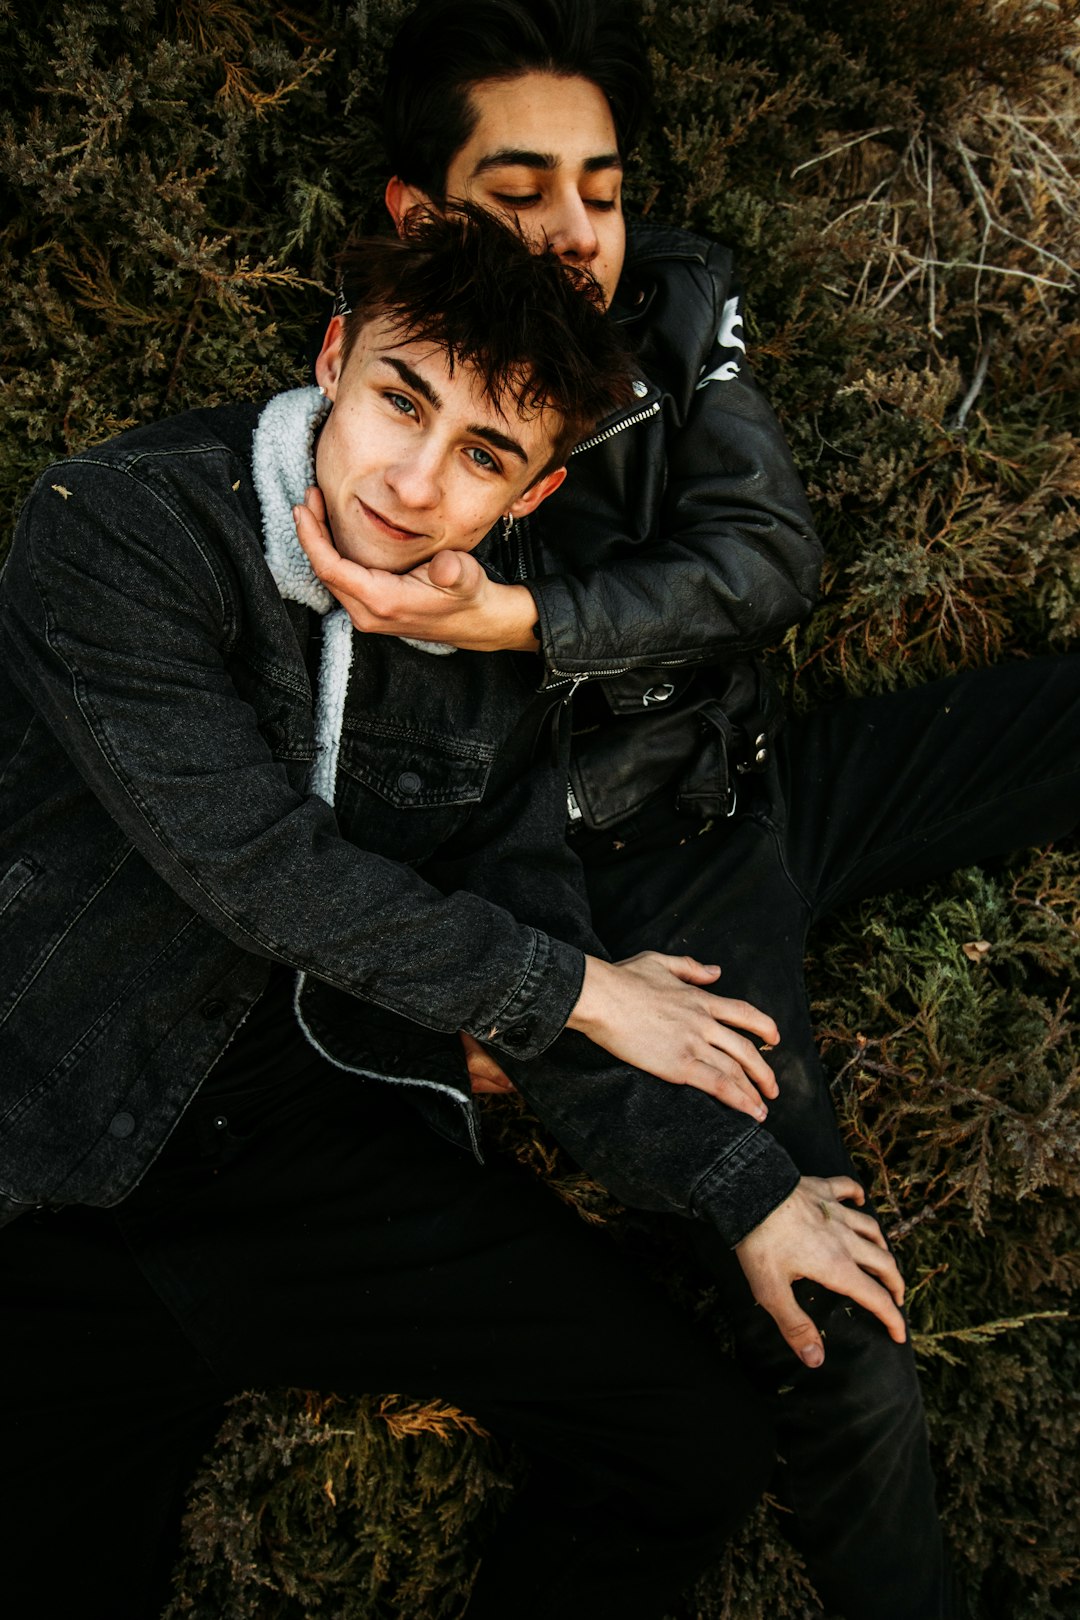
(727, 338)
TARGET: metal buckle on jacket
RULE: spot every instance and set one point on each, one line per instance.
(733, 795)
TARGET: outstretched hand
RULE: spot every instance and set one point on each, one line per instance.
(815, 1234)
(449, 598)
(652, 1011)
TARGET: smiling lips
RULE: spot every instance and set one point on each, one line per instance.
(394, 530)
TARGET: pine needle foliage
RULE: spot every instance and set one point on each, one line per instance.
(902, 184)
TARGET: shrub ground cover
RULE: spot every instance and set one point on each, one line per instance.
(902, 184)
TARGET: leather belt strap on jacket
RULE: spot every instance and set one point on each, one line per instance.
(712, 726)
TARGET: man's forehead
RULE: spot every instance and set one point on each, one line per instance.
(541, 121)
(516, 157)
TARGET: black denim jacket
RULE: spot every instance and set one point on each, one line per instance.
(158, 850)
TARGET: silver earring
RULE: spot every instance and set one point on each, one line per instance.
(507, 525)
(322, 390)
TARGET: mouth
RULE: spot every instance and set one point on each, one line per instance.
(394, 531)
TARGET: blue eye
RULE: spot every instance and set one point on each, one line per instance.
(483, 459)
(400, 402)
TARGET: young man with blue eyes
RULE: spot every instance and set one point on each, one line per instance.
(681, 544)
(258, 876)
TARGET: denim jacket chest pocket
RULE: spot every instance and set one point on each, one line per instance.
(402, 791)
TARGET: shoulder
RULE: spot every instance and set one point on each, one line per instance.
(194, 447)
(662, 254)
(671, 302)
(157, 496)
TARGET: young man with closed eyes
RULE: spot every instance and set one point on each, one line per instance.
(679, 547)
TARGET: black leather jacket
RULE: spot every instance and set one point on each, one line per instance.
(682, 538)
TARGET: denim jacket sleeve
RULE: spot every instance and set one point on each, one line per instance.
(653, 1144)
(120, 605)
(685, 538)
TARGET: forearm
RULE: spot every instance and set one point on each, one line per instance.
(654, 1145)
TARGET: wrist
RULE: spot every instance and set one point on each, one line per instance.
(588, 1013)
(516, 616)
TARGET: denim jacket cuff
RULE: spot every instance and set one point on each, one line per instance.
(539, 1007)
(745, 1186)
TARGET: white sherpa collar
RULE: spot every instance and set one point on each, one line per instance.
(283, 458)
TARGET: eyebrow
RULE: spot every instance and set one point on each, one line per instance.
(414, 380)
(498, 441)
(510, 157)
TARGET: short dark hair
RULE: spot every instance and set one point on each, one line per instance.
(444, 48)
(532, 328)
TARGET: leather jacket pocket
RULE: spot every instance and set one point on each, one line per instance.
(402, 792)
(696, 737)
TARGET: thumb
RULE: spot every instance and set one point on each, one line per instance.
(799, 1331)
(452, 571)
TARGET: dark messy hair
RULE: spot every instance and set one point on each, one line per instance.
(532, 328)
(446, 47)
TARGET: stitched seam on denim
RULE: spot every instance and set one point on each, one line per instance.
(10, 890)
(125, 471)
(509, 1002)
(750, 1148)
(456, 748)
(55, 946)
(88, 1037)
(13, 761)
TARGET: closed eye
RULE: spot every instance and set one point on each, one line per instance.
(524, 201)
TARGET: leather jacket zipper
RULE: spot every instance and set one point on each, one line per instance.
(617, 427)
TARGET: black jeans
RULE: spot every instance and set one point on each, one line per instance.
(864, 796)
(326, 1238)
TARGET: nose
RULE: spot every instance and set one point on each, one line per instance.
(415, 478)
(571, 231)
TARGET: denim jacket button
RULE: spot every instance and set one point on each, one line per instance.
(212, 1010)
(121, 1124)
(409, 782)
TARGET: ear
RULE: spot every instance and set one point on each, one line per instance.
(401, 199)
(536, 493)
(329, 365)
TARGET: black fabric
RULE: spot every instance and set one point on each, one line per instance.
(864, 796)
(337, 1244)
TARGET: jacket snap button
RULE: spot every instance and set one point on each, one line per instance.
(121, 1124)
(640, 389)
(409, 782)
(658, 694)
(761, 756)
(220, 1122)
(760, 740)
(212, 1010)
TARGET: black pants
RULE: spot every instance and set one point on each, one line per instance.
(327, 1239)
(864, 796)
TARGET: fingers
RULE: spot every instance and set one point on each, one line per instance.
(728, 1085)
(742, 1015)
(797, 1329)
(745, 1054)
(689, 970)
(860, 1286)
(484, 1072)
